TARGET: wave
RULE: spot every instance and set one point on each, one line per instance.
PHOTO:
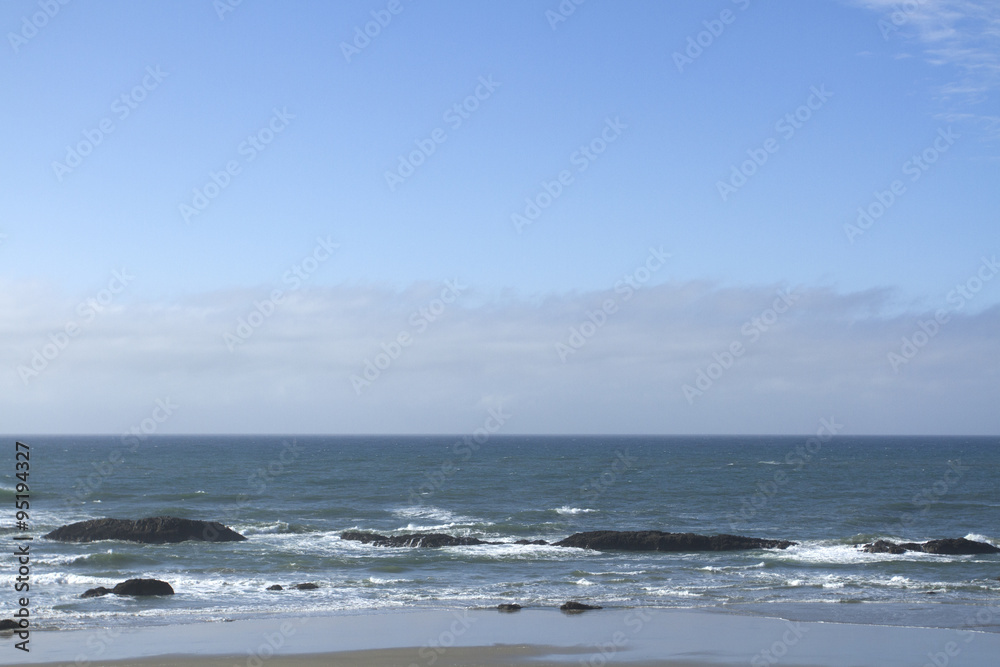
(566, 509)
(431, 512)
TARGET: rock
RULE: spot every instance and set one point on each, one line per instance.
(959, 546)
(573, 607)
(143, 587)
(509, 607)
(410, 540)
(883, 547)
(951, 547)
(306, 587)
(534, 542)
(9, 624)
(655, 540)
(275, 587)
(153, 530)
(95, 592)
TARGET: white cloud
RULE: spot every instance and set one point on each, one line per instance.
(962, 34)
(827, 355)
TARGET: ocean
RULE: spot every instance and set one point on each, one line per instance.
(293, 496)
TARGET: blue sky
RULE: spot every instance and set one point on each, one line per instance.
(643, 110)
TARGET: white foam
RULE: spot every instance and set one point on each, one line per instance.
(976, 537)
(566, 509)
(431, 512)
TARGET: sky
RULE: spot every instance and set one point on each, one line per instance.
(402, 216)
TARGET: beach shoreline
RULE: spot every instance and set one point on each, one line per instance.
(435, 638)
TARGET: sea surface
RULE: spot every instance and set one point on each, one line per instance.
(293, 496)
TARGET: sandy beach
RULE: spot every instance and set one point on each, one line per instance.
(531, 636)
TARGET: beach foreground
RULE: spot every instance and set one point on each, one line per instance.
(531, 636)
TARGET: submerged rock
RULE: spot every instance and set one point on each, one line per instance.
(532, 542)
(951, 547)
(410, 540)
(9, 624)
(95, 592)
(509, 607)
(574, 607)
(306, 587)
(655, 540)
(152, 530)
(275, 587)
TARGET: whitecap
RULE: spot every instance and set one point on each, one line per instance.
(566, 509)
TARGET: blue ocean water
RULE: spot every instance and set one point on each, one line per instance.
(293, 496)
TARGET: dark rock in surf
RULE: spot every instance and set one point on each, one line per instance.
(883, 547)
(573, 607)
(532, 542)
(306, 587)
(275, 587)
(509, 607)
(143, 587)
(95, 592)
(152, 530)
(410, 540)
(9, 624)
(959, 546)
(655, 540)
(947, 547)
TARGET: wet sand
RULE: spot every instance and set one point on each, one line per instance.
(443, 638)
